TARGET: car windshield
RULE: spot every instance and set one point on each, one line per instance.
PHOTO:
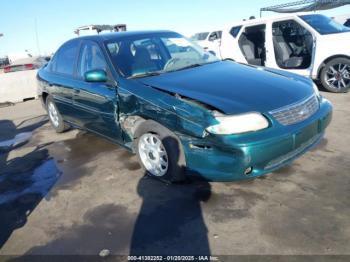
(200, 36)
(324, 25)
(156, 54)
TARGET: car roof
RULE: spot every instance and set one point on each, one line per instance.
(266, 19)
(121, 35)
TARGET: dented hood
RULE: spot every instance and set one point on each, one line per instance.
(233, 88)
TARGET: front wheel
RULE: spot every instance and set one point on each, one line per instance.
(335, 76)
(160, 153)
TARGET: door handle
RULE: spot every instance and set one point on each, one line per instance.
(76, 91)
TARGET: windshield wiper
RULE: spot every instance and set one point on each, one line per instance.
(188, 67)
(193, 65)
(144, 75)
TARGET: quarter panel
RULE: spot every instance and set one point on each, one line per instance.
(329, 46)
(61, 89)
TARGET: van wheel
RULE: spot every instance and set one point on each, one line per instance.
(160, 152)
(335, 76)
(55, 117)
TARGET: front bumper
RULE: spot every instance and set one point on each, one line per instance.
(228, 158)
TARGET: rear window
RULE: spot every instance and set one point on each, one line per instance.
(235, 31)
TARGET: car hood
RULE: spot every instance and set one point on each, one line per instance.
(338, 37)
(233, 88)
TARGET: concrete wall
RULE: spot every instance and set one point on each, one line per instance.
(17, 86)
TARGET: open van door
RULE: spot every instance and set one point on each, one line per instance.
(292, 47)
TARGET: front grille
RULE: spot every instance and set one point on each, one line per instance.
(280, 160)
(297, 112)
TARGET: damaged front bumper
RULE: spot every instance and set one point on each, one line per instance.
(237, 157)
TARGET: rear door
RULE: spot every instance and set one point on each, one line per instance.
(96, 104)
(62, 81)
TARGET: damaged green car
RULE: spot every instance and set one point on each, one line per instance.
(179, 108)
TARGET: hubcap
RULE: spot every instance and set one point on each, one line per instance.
(53, 114)
(153, 154)
(338, 76)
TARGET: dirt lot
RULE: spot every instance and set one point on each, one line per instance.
(79, 194)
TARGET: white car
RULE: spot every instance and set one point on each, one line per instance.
(311, 45)
(209, 41)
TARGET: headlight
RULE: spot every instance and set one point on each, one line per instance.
(317, 92)
(238, 124)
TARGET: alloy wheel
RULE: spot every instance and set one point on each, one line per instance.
(338, 76)
(153, 154)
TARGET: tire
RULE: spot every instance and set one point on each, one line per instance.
(170, 150)
(55, 117)
(335, 76)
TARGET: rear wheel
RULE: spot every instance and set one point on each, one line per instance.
(335, 76)
(160, 153)
(55, 117)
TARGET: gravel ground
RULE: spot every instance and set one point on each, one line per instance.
(76, 193)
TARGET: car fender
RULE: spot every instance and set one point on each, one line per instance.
(169, 110)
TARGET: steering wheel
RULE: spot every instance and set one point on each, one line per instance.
(171, 62)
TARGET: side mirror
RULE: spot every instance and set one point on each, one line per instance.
(98, 75)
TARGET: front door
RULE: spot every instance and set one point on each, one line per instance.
(96, 104)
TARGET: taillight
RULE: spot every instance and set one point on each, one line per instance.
(7, 69)
(29, 66)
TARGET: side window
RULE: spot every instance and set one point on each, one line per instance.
(64, 60)
(91, 57)
(52, 64)
(235, 31)
(213, 36)
(220, 34)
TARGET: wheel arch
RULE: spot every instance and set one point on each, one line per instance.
(44, 96)
(148, 124)
(323, 64)
(152, 126)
